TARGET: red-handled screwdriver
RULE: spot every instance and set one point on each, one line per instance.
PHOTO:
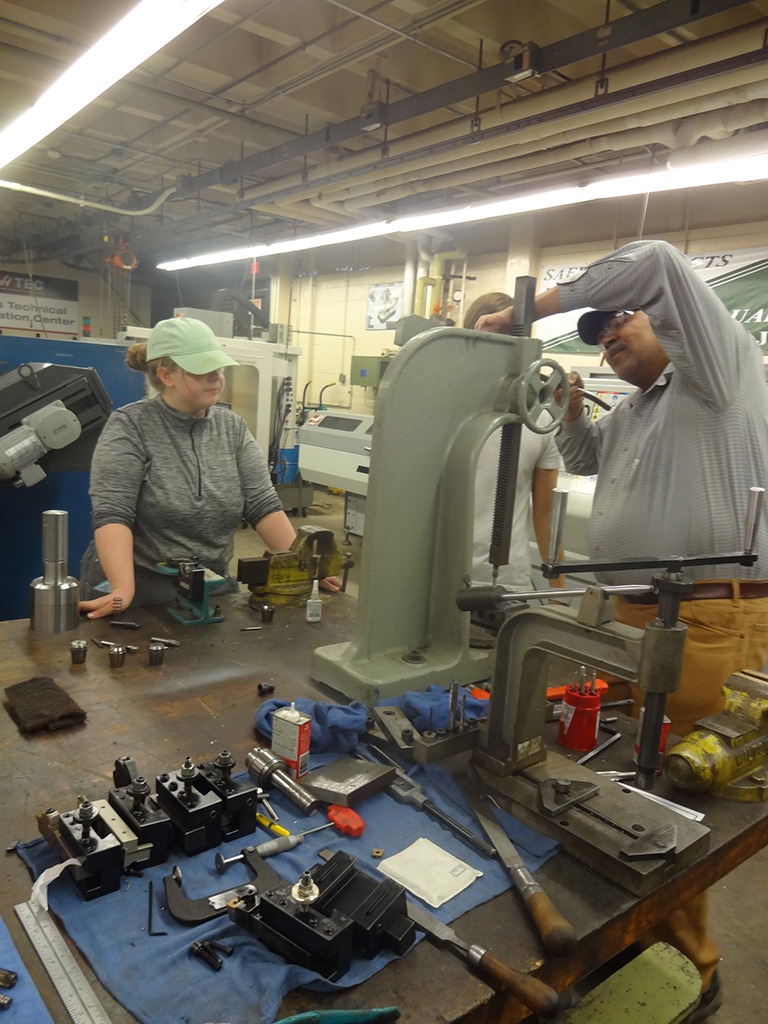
(346, 820)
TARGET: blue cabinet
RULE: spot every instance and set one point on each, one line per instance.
(21, 508)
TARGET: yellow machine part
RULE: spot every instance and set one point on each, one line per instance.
(726, 755)
(314, 554)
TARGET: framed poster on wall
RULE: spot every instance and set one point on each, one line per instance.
(385, 303)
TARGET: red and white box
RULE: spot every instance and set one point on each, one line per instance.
(291, 731)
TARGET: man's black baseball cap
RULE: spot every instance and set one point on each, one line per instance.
(591, 324)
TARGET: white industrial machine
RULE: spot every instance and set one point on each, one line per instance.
(335, 451)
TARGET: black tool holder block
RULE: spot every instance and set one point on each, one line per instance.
(353, 911)
(133, 801)
(194, 809)
(100, 851)
(142, 816)
(239, 797)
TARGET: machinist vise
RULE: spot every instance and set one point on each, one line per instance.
(286, 577)
(726, 753)
(194, 583)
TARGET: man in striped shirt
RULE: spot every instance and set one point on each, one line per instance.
(675, 462)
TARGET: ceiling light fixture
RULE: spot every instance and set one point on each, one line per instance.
(142, 32)
(753, 168)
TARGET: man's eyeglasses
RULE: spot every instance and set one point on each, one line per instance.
(614, 323)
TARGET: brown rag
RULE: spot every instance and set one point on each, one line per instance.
(39, 703)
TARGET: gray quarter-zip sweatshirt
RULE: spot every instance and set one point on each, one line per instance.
(182, 484)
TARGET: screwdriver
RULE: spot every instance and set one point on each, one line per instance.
(270, 825)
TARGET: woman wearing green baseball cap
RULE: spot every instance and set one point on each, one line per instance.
(173, 476)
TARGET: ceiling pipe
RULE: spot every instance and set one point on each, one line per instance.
(571, 144)
(309, 213)
(529, 158)
(538, 136)
(636, 74)
(723, 124)
(747, 145)
(575, 153)
(91, 204)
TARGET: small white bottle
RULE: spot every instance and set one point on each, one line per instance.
(314, 604)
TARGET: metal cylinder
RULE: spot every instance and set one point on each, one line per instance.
(156, 653)
(266, 768)
(53, 597)
(117, 656)
(78, 650)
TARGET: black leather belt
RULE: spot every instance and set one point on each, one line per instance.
(712, 591)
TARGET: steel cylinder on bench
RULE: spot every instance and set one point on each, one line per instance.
(53, 597)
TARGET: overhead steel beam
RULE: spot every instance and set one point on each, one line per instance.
(663, 17)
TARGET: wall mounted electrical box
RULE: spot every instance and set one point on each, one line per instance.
(367, 371)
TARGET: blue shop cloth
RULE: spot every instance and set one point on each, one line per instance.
(27, 1006)
(430, 709)
(157, 979)
(336, 728)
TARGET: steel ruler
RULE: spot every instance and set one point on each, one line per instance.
(65, 973)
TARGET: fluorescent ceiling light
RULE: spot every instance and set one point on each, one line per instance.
(753, 168)
(149, 26)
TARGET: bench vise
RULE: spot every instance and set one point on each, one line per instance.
(285, 577)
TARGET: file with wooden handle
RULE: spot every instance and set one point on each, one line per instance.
(530, 991)
(557, 934)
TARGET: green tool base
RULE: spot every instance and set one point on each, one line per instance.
(660, 986)
(389, 675)
(195, 616)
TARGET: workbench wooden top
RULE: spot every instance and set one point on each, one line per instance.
(203, 699)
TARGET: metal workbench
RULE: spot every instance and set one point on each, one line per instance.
(202, 700)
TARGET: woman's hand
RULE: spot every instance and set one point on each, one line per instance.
(108, 605)
(331, 584)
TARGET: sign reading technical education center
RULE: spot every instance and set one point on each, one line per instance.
(739, 278)
(39, 306)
